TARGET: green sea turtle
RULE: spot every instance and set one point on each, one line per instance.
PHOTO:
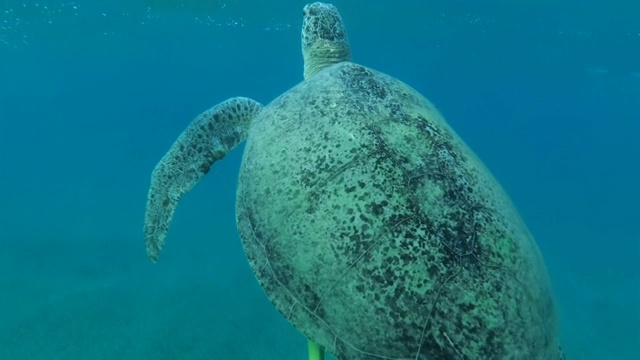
(367, 221)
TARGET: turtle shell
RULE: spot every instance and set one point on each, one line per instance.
(379, 234)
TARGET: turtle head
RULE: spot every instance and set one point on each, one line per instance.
(324, 38)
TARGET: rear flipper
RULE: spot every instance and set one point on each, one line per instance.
(315, 351)
(206, 140)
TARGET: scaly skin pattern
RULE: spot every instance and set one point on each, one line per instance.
(324, 38)
(207, 139)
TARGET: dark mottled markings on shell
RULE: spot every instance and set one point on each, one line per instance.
(387, 231)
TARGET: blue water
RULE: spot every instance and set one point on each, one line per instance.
(92, 95)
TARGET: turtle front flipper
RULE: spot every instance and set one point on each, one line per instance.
(206, 140)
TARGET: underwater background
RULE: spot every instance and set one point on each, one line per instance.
(92, 94)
